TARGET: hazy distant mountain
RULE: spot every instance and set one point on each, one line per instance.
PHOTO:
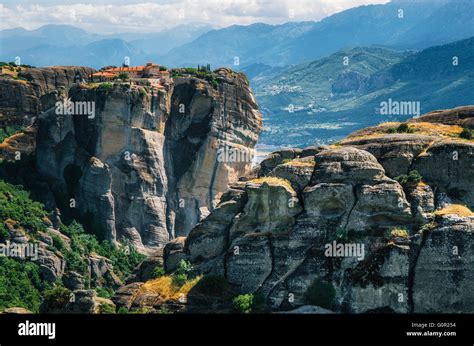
(162, 42)
(68, 45)
(424, 24)
(326, 99)
(19, 39)
(96, 54)
(249, 44)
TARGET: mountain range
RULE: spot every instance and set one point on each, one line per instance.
(420, 25)
(298, 65)
(398, 24)
(326, 99)
(68, 45)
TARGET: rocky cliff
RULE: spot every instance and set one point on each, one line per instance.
(379, 222)
(148, 165)
(21, 97)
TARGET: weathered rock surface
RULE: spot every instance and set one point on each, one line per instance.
(443, 275)
(125, 295)
(449, 166)
(81, 302)
(148, 167)
(144, 271)
(20, 99)
(398, 254)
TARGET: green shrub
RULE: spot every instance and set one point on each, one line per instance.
(58, 243)
(123, 75)
(124, 258)
(4, 235)
(413, 178)
(141, 311)
(466, 134)
(83, 244)
(163, 68)
(179, 279)
(183, 273)
(106, 309)
(164, 310)
(56, 297)
(405, 128)
(190, 70)
(243, 303)
(8, 131)
(104, 292)
(427, 227)
(321, 293)
(16, 204)
(20, 284)
(122, 310)
(157, 272)
(105, 86)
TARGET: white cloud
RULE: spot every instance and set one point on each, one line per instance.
(139, 16)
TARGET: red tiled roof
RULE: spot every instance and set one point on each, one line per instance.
(104, 74)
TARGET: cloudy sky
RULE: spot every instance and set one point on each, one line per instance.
(107, 16)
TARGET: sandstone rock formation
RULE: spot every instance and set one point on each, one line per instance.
(406, 246)
(21, 98)
(149, 165)
(81, 302)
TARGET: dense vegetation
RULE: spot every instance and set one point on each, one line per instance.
(402, 128)
(15, 204)
(412, 178)
(12, 65)
(21, 284)
(201, 72)
(9, 131)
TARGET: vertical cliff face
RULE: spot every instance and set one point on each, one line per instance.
(146, 167)
(25, 96)
(380, 222)
(214, 124)
(20, 99)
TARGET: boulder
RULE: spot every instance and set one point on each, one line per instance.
(125, 295)
(174, 254)
(443, 275)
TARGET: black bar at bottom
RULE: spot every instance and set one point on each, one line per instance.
(272, 329)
